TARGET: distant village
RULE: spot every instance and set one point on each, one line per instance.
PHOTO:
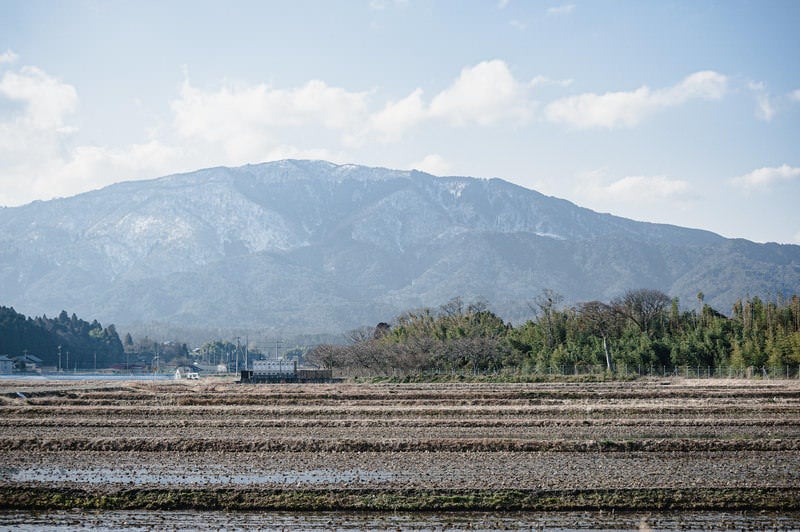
(169, 359)
(67, 345)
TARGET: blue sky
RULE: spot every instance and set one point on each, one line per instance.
(676, 112)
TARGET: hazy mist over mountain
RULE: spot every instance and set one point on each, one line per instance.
(310, 246)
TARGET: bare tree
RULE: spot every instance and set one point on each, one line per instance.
(454, 307)
(600, 319)
(642, 306)
(360, 334)
(701, 299)
(327, 356)
(478, 306)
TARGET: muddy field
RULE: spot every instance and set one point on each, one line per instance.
(670, 444)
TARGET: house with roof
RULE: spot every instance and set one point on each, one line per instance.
(29, 363)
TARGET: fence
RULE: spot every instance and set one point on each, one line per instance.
(601, 372)
(688, 372)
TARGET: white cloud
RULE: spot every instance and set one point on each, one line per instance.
(433, 164)
(627, 109)
(396, 117)
(633, 189)
(707, 85)
(380, 5)
(565, 9)
(518, 24)
(34, 133)
(543, 81)
(653, 198)
(644, 188)
(484, 94)
(89, 167)
(216, 114)
(795, 95)
(8, 57)
(47, 100)
(764, 108)
(44, 166)
(38, 155)
(765, 177)
(41, 155)
(246, 121)
(765, 111)
(502, 4)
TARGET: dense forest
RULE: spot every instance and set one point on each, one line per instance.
(644, 331)
(78, 343)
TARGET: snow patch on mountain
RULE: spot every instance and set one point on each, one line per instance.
(456, 188)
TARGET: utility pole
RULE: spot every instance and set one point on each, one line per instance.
(155, 364)
(237, 355)
(59, 359)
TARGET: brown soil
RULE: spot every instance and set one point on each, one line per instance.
(694, 436)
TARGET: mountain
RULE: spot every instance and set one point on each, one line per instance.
(310, 246)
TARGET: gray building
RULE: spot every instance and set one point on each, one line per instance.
(6, 365)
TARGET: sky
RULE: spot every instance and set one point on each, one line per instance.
(679, 112)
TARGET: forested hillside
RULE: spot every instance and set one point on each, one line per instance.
(310, 247)
(643, 331)
(83, 345)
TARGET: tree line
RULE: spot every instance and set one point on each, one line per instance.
(643, 330)
(79, 343)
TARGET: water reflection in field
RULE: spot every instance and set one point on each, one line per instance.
(312, 521)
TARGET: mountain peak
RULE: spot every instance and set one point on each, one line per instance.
(303, 169)
(311, 246)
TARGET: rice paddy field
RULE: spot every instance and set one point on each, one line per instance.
(216, 445)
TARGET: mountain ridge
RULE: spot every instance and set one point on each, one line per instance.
(312, 246)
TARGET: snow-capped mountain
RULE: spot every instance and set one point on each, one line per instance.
(310, 246)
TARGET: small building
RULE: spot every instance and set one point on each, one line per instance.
(6, 365)
(279, 370)
(29, 363)
(186, 372)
